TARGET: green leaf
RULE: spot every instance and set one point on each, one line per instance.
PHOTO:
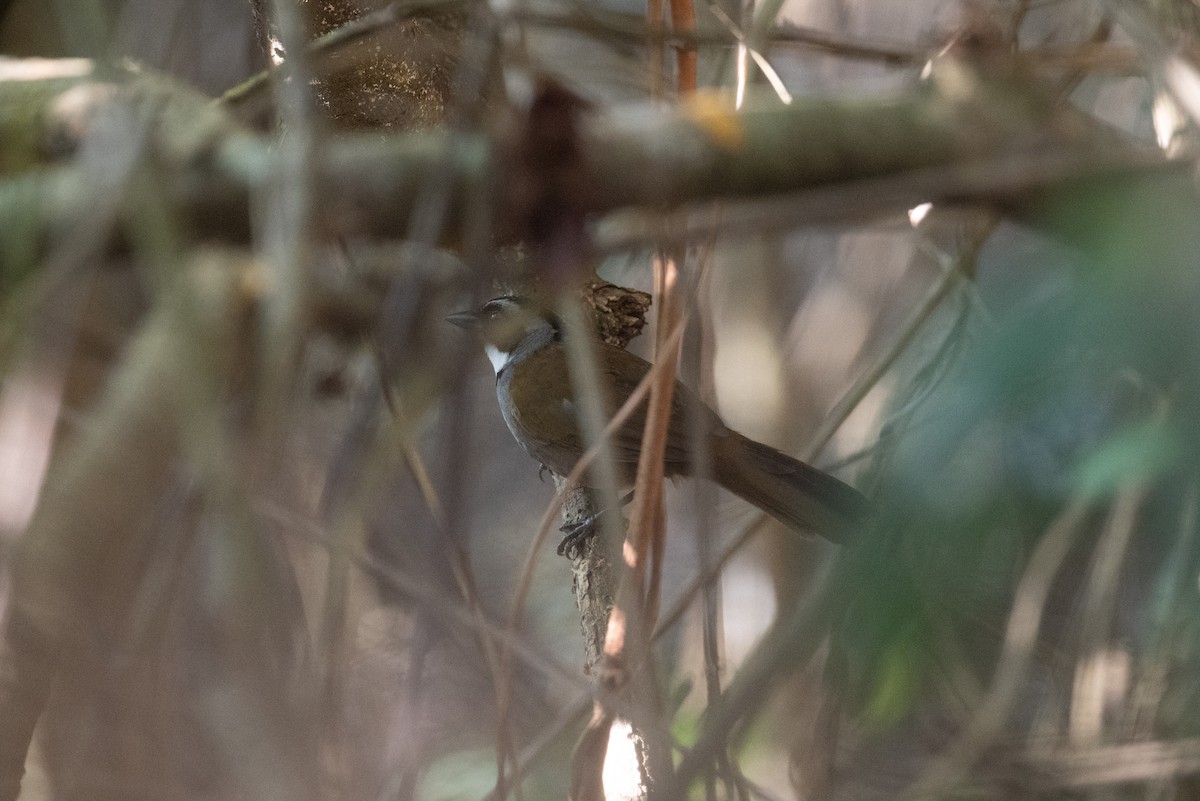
(898, 680)
(1136, 454)
(465, 775)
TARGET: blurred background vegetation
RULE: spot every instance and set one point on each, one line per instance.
(262, 528)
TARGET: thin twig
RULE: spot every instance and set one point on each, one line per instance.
(347, 34)
(792, 641)
(854, 200)
(430, 597)
(867, 381)
(1020, 639)
(1125, 763)
(763, 64)
(579, 706)
(683, 20)
(1087, 700)
(709, 574)
(647, 518)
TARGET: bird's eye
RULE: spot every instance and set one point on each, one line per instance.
(495, 309)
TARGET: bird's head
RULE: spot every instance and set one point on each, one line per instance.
(507, 325)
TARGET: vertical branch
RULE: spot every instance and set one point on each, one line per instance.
(1086, 713)
(705, 504)
(626, 678)
(602, 554)
(647, 521)
(654, 21)
(593, 578)
(683, 22)
(29, 655)
(597, 566)
(628, 657)
(290, 212)
(602, 578)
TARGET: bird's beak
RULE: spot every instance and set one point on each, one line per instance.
(464, 319)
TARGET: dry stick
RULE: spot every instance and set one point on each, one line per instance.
(710, 574)
(634, 601)
(1124, 763)
(432, 598)
(1020, 637)
(498, 664)
(867, 381)
(626, 642)
(710, 591)
(1086, 712)
(420, 472)
(669, 318)
(646, 519)
(753, 52)
(683, 20)
(1089, 56)
(290, 214)
(615, 26)
(793, 639)
(551, 735)
(847, 200)
(654, 21)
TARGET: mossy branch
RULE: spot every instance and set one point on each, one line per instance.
(701, 151)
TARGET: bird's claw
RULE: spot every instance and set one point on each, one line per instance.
(574, 536)
(542, 470)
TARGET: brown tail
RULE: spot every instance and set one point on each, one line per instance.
(789, 490)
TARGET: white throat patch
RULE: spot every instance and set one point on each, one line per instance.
(499, 358)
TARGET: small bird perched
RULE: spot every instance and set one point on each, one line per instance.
(536, 398)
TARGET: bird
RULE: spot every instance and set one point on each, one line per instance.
(524, 343)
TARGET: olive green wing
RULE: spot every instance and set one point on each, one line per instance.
(623, 371)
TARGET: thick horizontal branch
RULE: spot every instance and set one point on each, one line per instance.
(632, 157)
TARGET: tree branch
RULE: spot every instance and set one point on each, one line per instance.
(700, 152)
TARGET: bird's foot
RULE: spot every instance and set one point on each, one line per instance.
(575, 535)
(542, 470)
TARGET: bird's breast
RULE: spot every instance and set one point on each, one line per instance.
(537, 404)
